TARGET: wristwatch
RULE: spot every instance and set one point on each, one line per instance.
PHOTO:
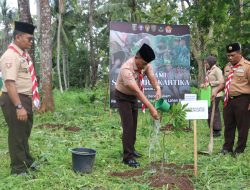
(19, 106)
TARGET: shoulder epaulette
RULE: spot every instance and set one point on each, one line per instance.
(247, 62)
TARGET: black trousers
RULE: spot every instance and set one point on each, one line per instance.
(217, 117)
(18, 133)
(128, 109)
(236, 116)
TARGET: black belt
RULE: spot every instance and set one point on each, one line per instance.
(29, 96)
(234, 97)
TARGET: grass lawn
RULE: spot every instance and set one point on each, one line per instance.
(100, 130)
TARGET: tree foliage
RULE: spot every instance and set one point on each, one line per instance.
(213, 24)
(7, 16)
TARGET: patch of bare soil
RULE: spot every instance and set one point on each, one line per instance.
(59, 126)
(164, 174)
(170, 127)
(72, 129)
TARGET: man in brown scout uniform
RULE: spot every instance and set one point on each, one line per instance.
(127, 91)
(16, 99)
(237, 100)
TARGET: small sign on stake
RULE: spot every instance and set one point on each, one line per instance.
(196, 110)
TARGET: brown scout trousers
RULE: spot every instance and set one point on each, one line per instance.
(128, 109)
(18, 133)
(236, 115)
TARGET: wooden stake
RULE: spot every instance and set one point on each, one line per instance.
(195, 150)
(106, 96)
(110, 112)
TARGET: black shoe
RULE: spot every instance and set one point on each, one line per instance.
(34, 166)
(237, 152)
(224, 152)
(131, 163)
(20, 173)
(216, 134)
(23, 174)
(137, 154)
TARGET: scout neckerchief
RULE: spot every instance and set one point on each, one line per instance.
(208, 72)
(141, 85)
(35, 94)
(228, 82)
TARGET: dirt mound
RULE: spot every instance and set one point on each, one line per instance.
(162, 174)
(170, 127)
(59, 126)
(72, 129)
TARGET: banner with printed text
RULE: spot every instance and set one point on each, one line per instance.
(171, 44)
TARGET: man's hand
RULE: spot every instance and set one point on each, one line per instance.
(204, 85)
(158, 93)
(21, 114)
(154, 113)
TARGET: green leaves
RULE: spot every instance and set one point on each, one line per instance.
(177, 115)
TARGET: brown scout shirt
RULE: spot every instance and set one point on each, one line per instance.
(128, 75)
(15, 67)
(240, 83)
(215, 78)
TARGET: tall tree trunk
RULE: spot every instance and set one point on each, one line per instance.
(59, 27)
(94, 66)
(67, 70)
(197, 50)
(133, 16)
(24, 11)
(58, 51)
(64, 68)
(6, 17)
(241, 4)
(25, 16)
(6, 37)
(38, 27)
(182, 5)
(46, 57)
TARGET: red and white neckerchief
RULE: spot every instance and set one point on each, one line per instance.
(35, 94)
(141, 86)
(206, 78)
(228, 82)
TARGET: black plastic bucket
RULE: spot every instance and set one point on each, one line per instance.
(83, 159)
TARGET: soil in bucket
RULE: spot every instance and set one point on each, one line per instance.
(83, 159)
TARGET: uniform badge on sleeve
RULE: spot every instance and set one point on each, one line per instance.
(23, 60)
(8, 65)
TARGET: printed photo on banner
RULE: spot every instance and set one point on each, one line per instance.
(171, 44)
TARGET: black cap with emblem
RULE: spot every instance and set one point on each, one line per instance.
(233, 47)
(24, 27)
(147, 53)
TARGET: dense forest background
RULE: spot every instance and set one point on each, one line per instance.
(71, 47)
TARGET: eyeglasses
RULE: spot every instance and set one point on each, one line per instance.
(143, 62)
(28, 38)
